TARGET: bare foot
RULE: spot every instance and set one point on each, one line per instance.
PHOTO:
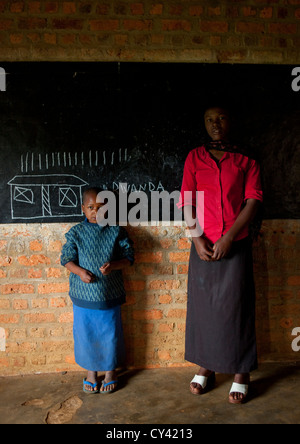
(92, 378)
(195, 388)
(236, 397)
(109, 376)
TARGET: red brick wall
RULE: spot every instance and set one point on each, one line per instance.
(35, 310)
(256, 31)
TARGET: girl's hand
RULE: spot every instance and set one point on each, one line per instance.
(204, 249)
(86, 276)
(106, 268)
(221, 248)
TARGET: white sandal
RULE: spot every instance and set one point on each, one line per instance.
(238, 388)
(205, 382)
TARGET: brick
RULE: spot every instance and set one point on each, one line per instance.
(164, 285)
(21, 347)
(18, 362)
(177, 313)
(137, 25)
(137, 9)
(57, 346)
(102, 9)
(293, 280)
(66, 318)
(156, 9)
(283, 28)
(53, 272)
(176, 25)
(36, 245)
(104, 25)
(147, 328)
(17, 7)
(3, 245)
(34, 260)
(4, 362)
(165, 299)
(17, 289)
(51, 7)
(53, 288)
(20, 304)
(74, 24)
(32, 23)
(35, 273)
(196, 11)
(214, 26)
(55, 246)
(69, 7)
(140, 315)
(287, 323)
(179, 257)
(9, 318)
(182, 269)
(50, 38)
(34, 7)
(85, 8)
(134, 285)
(214, 11)
(4, 304)
(39, 303)
(5, 261)
(39, 318)
(166, 328)
(58, 302)
(249, 11)
(250, 27)
(3, 4)
(184, 244)
(176, 9)
(16, 39)
(67, 39)
(149, 258)
(266, 13)
(164, 355)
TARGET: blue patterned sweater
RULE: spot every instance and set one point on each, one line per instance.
(90, 246)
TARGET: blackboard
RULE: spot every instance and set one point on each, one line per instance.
(66, 126)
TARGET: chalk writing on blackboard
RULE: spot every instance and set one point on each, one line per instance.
(31, 162)
(47, 196)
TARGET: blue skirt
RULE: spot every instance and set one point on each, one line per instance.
(98, 338)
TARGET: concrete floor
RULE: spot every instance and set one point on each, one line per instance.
(159, 396)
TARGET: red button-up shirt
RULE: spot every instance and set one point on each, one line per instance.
(226, 184)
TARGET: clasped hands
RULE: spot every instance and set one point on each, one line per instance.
(209, 252)
(88, 277)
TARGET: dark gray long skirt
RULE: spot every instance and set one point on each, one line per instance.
(220, 331)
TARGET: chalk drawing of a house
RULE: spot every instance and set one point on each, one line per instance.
(47, 196)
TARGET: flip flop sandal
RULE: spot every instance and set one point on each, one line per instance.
(107, 384)
(239, 388)
(206, 383)
(90, 392)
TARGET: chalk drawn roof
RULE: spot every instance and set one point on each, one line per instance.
(51, 179)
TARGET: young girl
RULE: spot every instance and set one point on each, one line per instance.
(95, 255)
(220, 332)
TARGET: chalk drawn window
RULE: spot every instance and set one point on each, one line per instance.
(24, 195)
(67, 198)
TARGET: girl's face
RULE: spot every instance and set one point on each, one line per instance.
(91, 207)
(217, 123)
